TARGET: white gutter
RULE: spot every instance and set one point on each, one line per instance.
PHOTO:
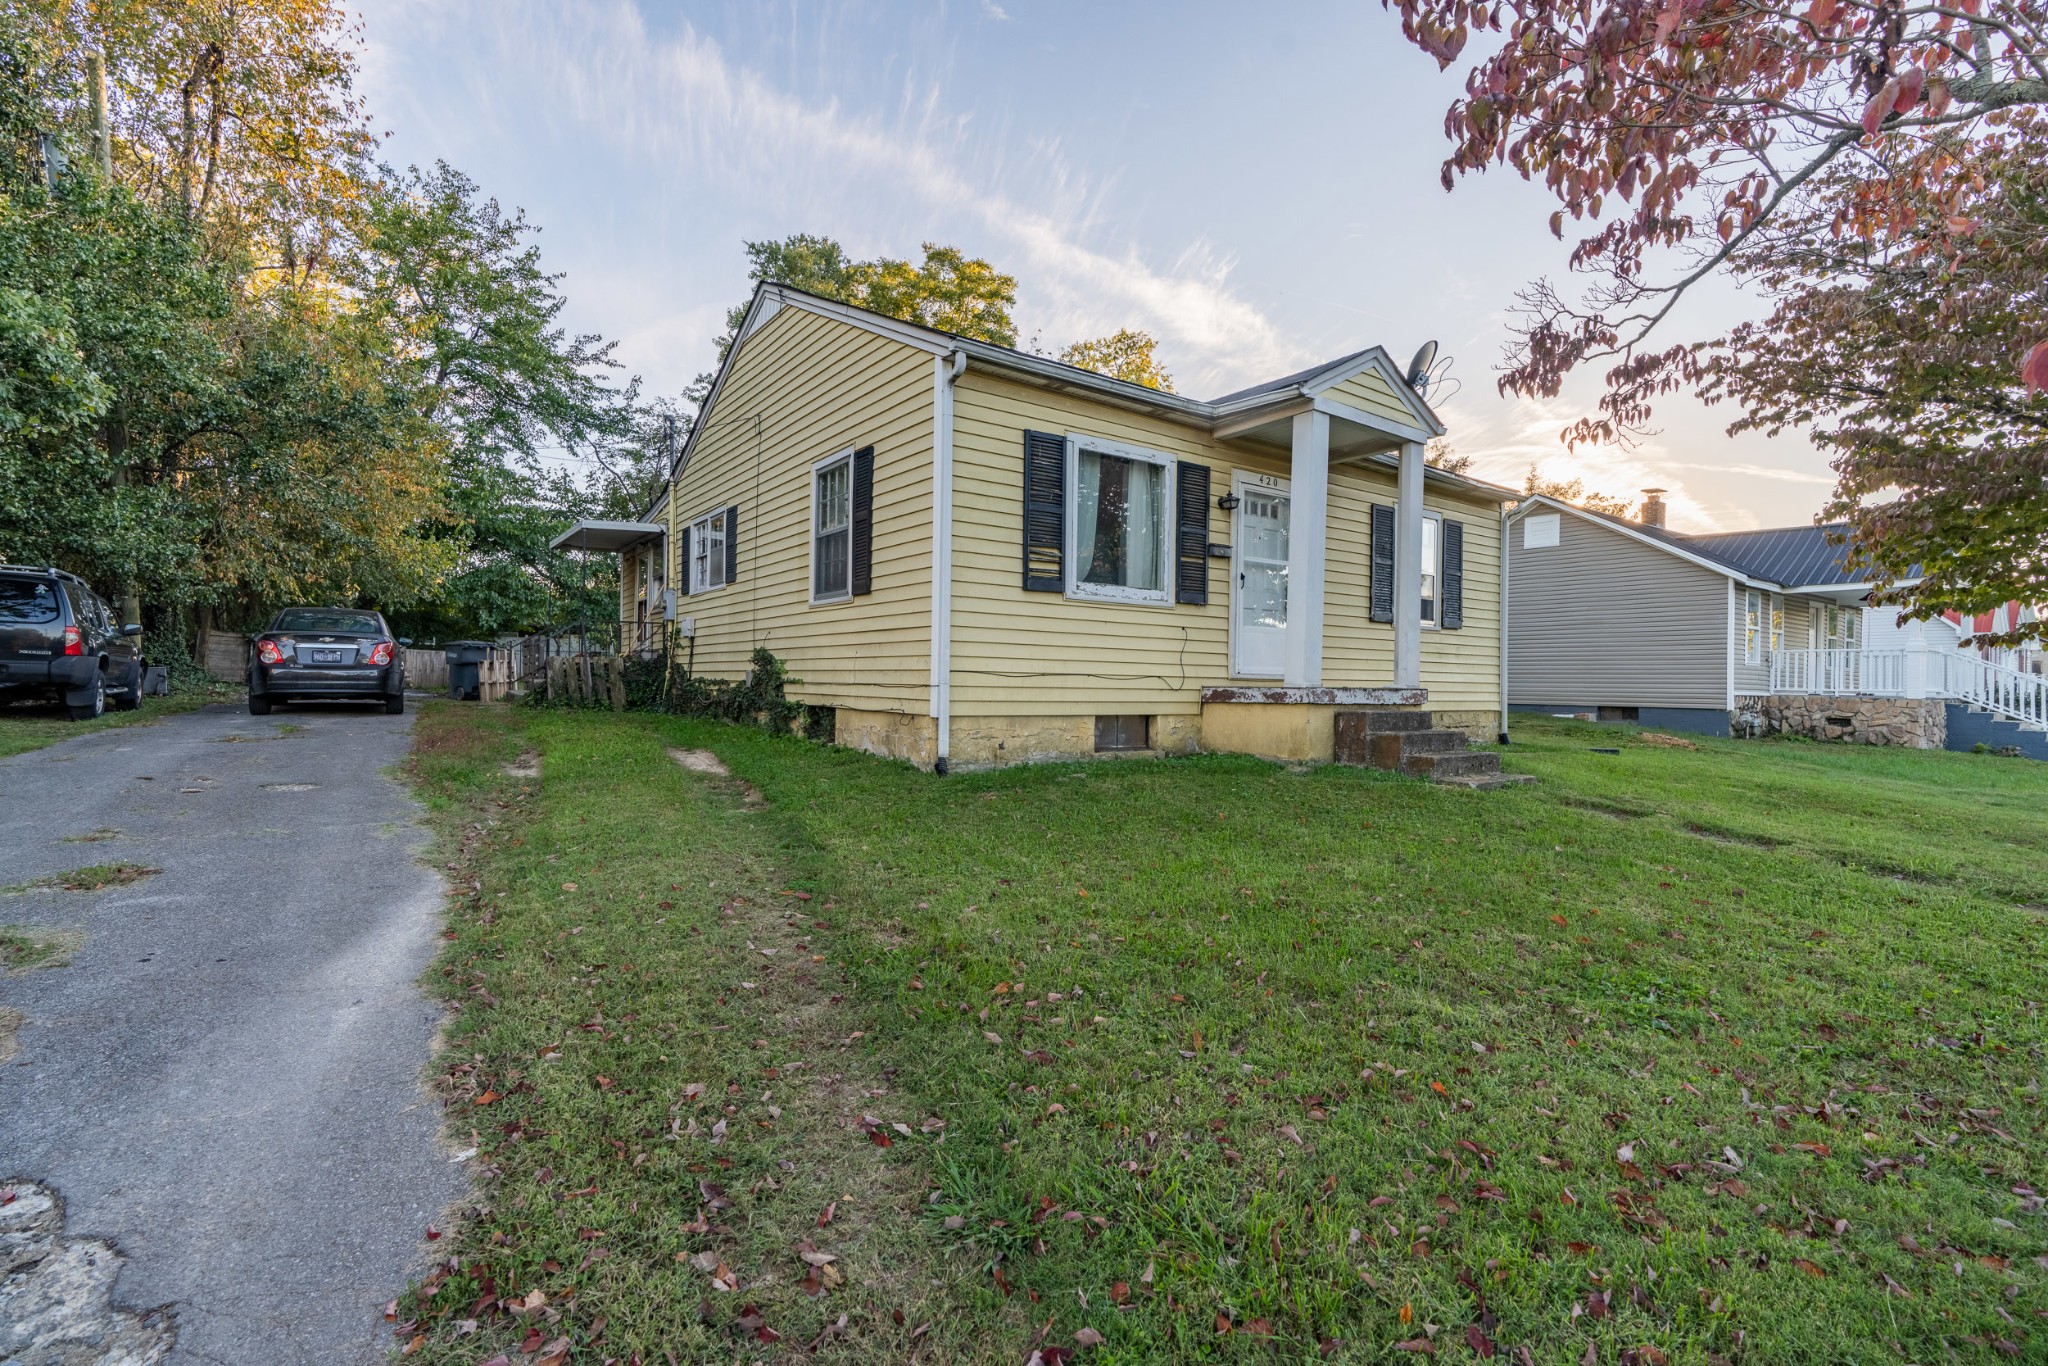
(946, 370)
(1504, 624)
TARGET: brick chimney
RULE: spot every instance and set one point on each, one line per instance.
(1653, 508)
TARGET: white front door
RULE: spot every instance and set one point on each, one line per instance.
(1258, 620)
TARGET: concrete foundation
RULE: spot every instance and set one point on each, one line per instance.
(892, 734)
(1909, 722)
(999, 741)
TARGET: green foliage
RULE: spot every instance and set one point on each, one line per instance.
(1899, 361)
(949, 290)
(1124, 354)
(1573, 491)
(254, 369)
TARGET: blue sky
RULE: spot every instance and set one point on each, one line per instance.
(1255, 185)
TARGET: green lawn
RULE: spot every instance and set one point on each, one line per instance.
(1727, 1052)
(25, 726)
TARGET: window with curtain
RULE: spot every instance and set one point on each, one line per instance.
(1432, 565)
(1118, 523)
(832, 530)
(707, 552)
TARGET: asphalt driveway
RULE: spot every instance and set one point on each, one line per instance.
(224, 1084)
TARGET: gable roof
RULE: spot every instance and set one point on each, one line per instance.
(1302, 386)
(1778, 557)
(1293, 381)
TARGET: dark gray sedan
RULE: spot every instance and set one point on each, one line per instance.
(326, 654)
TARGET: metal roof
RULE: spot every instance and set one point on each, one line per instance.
(1790, 556)
(1796, 556)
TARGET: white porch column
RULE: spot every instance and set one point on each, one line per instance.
(1307, 538)
(1408, 569)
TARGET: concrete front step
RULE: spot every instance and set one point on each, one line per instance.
(1463, 764)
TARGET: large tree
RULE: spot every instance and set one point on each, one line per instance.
(457, 283)
(1898, 360)
(1699, 136)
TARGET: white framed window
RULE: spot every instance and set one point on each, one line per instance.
(707, 552)
(1432, 567)
(832, 528)
(1841, 627)
(1777, 623)
(1752, 626)
(1119, 522)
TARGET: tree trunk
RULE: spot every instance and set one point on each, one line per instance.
(188, 122)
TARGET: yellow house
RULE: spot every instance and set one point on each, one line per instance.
(976, 556)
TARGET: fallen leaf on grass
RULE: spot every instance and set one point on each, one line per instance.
(825, 1215)
(1810, 1268)
(1422, 1345)
(554, 1354)
(1087, 1337)
(1120, 1293)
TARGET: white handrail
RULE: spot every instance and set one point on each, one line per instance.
(2002, 691)
(1839, 673)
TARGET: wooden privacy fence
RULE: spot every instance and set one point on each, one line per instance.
(587, 679)
(426, 670)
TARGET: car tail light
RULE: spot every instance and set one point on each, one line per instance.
(381, 655)
(74, 641)
(268, 652)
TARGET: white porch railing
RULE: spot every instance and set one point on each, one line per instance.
(1838, 673)
(2002, 691)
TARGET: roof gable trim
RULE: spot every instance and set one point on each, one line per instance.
(1379, 362)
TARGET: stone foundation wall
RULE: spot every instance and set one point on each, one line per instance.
(1911, 722)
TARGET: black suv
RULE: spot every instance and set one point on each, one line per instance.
(329, 653)
(59, 641)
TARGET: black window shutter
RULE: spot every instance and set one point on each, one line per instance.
(1450, 611)
(864, 520)
(1191, 541)
(732, 544)
(1045, 512)
(1382, 562)
(683, 579)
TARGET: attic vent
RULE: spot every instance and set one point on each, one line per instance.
(1538, 532)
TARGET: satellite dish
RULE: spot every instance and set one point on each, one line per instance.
(1418, 369)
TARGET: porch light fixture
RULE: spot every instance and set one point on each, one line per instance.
(1228, 502)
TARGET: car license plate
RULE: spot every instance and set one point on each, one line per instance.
(327, 656)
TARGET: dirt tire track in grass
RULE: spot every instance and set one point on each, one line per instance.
(665, 1084)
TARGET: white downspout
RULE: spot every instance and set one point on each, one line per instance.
(946, 370)
(1504, 530)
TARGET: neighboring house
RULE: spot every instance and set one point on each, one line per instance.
(977, 556)
(1744, 632)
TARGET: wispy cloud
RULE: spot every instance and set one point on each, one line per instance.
(909, 166)
(995, 11)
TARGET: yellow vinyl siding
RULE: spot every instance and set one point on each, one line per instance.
(802, 388)
(1460, 669)
(1368, 391)
(1043, 654)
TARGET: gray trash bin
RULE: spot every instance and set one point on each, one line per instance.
(464, 657)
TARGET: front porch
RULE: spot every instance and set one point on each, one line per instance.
(1889, 697)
